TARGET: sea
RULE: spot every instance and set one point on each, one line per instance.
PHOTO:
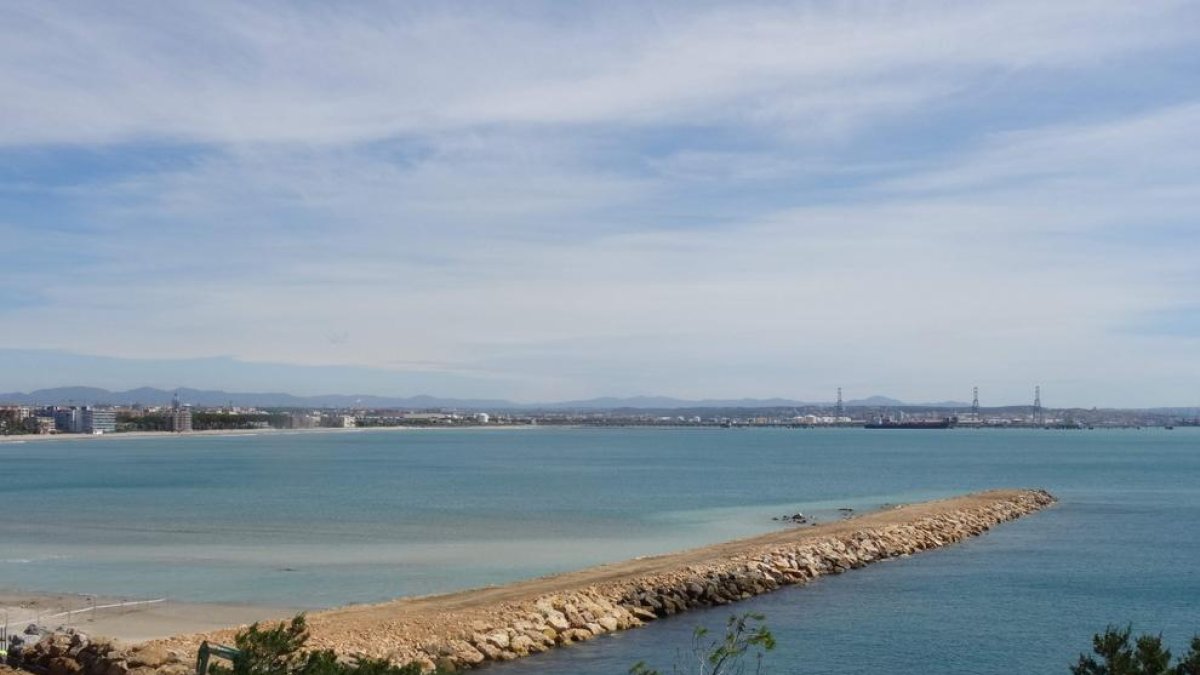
(312, 520)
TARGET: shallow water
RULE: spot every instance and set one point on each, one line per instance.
(323, 519)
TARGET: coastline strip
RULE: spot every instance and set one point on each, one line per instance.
(469, 628)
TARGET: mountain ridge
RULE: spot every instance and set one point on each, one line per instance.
(82, 395)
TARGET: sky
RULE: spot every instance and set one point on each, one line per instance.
(542, 201)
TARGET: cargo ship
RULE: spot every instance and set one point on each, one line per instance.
(909, 424)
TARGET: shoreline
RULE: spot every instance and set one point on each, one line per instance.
(471, 627)
(138, 435)
(22, 439)
(127, 620)
(145, 618)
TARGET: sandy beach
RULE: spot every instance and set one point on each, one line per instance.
(165, 618)
(125, 619)
(372, 628)
(499, 623)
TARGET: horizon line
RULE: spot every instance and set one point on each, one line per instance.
(710, 401)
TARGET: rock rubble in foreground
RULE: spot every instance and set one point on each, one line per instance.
(70, 652)
(474, 634)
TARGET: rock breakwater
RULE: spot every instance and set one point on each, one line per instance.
(467, 629)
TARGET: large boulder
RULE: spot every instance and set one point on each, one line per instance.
(522, 644)
(149, 656)
(462, 652)
(62, 665)
(489, 651)
(499, 638)
(557, 620)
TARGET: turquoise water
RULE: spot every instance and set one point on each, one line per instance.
(322, 519)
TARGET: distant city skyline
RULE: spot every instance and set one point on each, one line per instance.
(546, 201)
(174, 397)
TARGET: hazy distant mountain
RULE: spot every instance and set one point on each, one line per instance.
(61, 395)
(876, 402)
(152, 397)
(885, 402)
(667, 403)
(199, 397)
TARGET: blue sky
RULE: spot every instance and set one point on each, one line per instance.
(545, 201)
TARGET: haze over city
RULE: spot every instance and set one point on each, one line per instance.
(542, 202)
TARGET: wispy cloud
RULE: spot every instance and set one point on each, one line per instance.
(544, 202)
(232, 72)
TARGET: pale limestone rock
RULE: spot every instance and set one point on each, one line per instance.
(499, 638)
(489, 651)
(522, 645)
(463, 652)
(557, 621)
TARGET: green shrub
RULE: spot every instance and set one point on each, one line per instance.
(279, 650)
(745, 637)
(1120, 655)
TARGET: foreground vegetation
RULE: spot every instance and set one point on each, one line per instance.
(1120, 654)
(280, 650)
(745, 642)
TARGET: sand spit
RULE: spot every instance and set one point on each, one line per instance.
(473, 627)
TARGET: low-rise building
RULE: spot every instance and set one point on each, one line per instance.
(303, 420)
(429, 417)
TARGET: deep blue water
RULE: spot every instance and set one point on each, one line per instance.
(323, 519)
